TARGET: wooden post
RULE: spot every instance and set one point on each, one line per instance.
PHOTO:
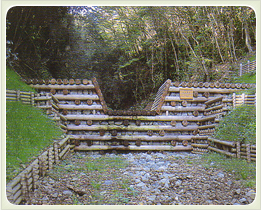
(243, 98)
(32, 98)
(248, 66)
(248, 152)
(50, 158)
(56, 153)
(24, 185)
(240, 70)
(234, 100)
(35, 175)
(238, 149)
(18, 96)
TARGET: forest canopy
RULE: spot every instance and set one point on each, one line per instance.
(131, 50)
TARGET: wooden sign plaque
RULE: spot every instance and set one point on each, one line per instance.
(186, 93)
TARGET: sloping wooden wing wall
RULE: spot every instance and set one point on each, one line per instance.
(175, 121)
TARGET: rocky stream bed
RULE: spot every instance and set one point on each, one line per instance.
(141, 178)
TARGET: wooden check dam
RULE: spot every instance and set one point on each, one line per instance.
(181, 117)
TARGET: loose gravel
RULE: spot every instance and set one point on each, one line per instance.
(146, 178)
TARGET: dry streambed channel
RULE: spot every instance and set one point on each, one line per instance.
(141, 178)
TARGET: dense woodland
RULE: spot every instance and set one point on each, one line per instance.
(130, 50)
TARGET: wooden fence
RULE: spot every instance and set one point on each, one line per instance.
(233, 149)
(246, 68)
(18, 189)
(17, 95)
(243, 99)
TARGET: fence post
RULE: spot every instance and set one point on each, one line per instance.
(32, 98)
(18, 96)
(234, 100)
(238, 149)
(240, 70)
(248, 66)
(248, 152)
(243, 97)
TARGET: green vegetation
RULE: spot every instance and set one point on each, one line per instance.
(28, 129)
(131, 50)
(246, 78)
(238, 125)
(13, 81)
(101, 164)
(28, 132)
(246, 172)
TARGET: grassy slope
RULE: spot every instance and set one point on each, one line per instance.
(13, 81)
(239, 125)
(28, 129)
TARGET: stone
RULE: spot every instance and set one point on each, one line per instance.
(151, 198)
(45, 198)
(229, 183)
(67, 192)
(251, 194)
(243, 200)
(237, 191)
(178, 182)
(55, 195)
(108, 182)
(220, 174)
(141, 184)
(145, 177)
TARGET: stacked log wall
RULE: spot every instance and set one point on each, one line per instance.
(172, 122)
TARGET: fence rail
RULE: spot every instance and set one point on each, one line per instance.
(19, 188)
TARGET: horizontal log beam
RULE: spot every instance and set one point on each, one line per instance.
(198, 99)
(60, 87)
(131, 147)
(133, 137)
(76, 97)
(226, 143)
(221, 151)
(207, 118)
(142, 118)
(182, 109)
(80, 107)
(210, 90)
(213, 100)
(200, 145)
(42, 98)
(206, 126)
(130, 128)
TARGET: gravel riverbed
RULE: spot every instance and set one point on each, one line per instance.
(147, 178)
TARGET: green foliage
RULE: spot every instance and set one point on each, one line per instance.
(28, 132)
(240, 168)
(238, 125)
(102, 163)
(131, 50)
(13, 81)
(247, 78)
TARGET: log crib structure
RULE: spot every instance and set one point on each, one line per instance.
(181, 117)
